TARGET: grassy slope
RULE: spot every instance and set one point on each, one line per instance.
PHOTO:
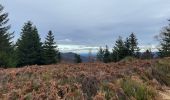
(136, 79)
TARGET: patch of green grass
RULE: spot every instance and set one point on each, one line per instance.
(69, 80)
(46, 76)
(161, 71)
(134, 89)
(108, 91)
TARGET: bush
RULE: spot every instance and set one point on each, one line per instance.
(107, 89)
(128, 59)
(136, 90)
(28, 96)
(90, 86)
(161, 71)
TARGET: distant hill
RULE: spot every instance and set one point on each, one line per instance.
(69, 57)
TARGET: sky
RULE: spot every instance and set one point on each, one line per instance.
(79, 25)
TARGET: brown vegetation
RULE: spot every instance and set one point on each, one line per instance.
(125, 80)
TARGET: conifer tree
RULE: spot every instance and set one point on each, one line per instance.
(147, 54)
(29, 47)
(6, 47)
(119, 50)
(58, 56)
(100, 54)
(164, 36)
(51, 53)
(127, 47)
(106, 56)
(134, 49)
(77, 58)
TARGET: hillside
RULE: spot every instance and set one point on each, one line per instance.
(70, 57)
(129, 79)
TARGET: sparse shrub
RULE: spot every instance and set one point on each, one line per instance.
(80, 78)
(46, 76)
(90, 86)
(161, 71)
(76, 95)
(68, 80)
(147, 75)
(121, 95)
(107, 89)
(36, 85)
(13, 96)
(99, 96)
(128, 59)
(136, 90)
(28, 96)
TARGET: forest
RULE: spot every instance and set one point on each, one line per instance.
(30, 50)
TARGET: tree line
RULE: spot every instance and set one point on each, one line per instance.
(121, 49)
(129, 48)
(29, 50)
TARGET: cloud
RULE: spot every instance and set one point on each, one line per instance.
(65, 41)
(77, 48)
(91, 22)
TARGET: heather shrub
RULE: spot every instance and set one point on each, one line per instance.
(108, 90)
(90, 86)
(28, 96)
(68, 80)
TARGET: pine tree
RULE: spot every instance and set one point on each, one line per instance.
(77, 58)
(106, 56)
(127, 46)
(147, 54)
(51, 53)
(6, 48)
(29, 47)
(119, 50)
(134, 49)
(100, 54)
(164, 51)
(58, 56)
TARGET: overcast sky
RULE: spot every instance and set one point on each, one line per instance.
(91, 22)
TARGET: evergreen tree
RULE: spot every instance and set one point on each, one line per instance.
(134, 49)
(51, 54)
(6, 48)
(164, 51)
(127, 46)
(58, 56)
(106, 56)
(77, 58)
(147, 54)
(119, 50)
(100, 54)
(29, 47)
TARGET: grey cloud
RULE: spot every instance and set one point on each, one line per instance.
(91, 22)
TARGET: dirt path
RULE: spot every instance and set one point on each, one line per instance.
(165, 95)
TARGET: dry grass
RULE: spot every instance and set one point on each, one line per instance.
(75, 81)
